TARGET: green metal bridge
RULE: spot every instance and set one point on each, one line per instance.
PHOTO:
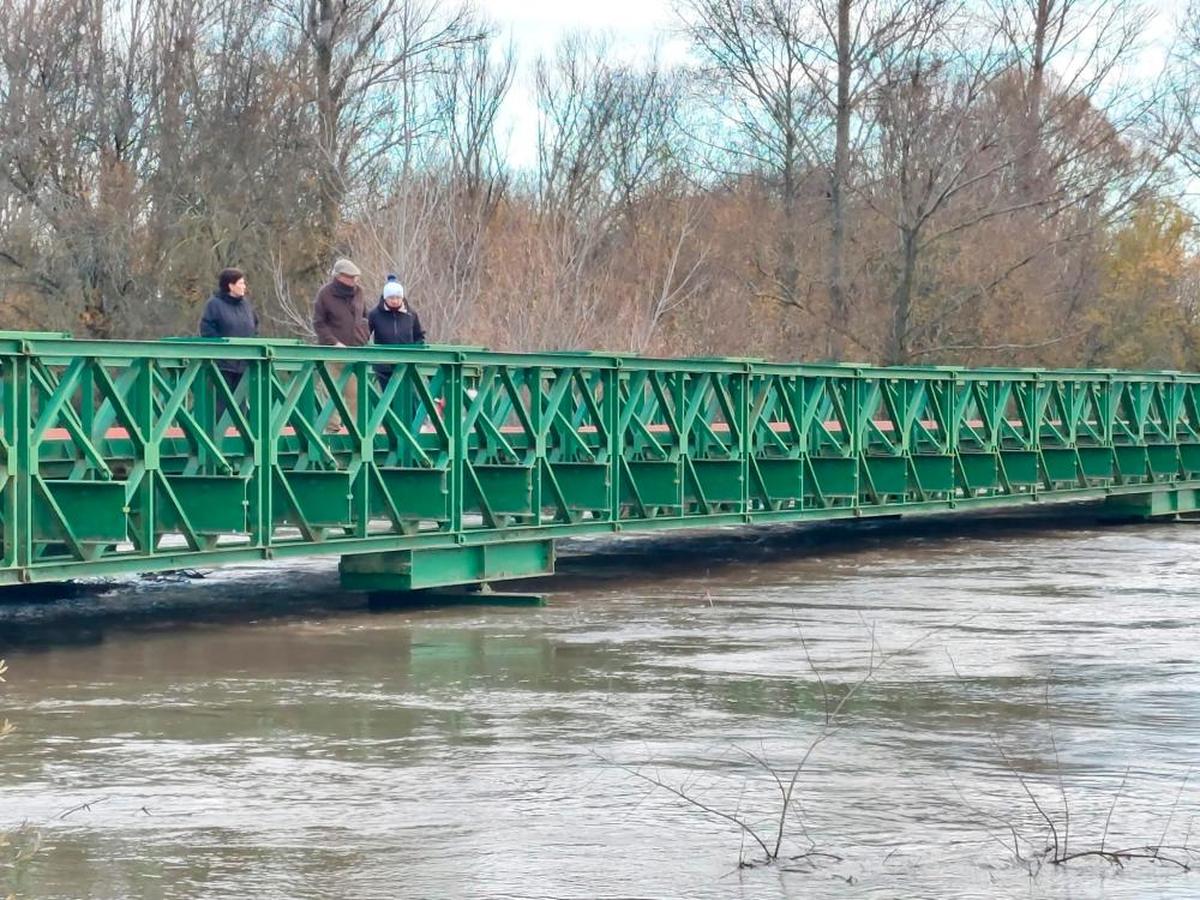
(470, 463)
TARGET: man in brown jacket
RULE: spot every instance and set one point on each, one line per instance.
(340, 320)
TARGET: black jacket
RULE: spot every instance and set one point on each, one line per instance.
(226, 316)
(401, 326)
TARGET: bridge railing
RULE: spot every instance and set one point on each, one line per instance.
(125, 456)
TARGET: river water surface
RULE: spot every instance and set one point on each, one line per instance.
(259, 733)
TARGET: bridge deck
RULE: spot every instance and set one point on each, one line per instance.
(112, 457)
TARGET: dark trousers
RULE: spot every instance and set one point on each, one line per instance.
(232, 379)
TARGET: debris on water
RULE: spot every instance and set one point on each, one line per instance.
(174, 575)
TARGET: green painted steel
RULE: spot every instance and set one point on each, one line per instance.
(113, 459)
(412, 570)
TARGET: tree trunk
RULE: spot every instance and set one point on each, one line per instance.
(839, 312)
(1029, 160)
(329, 178)
(902, 299)
(787, 270)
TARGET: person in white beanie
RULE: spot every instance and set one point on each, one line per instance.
(392, 321)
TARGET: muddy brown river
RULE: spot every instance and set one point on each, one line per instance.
(260, 733)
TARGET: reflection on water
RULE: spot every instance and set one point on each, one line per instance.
(260, 733)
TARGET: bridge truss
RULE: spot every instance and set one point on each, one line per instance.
(469, 464)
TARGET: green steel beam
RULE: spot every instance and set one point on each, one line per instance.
(411, 570)
(112, 457)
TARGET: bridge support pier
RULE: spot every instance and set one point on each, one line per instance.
(439, 567)
(1155, 504)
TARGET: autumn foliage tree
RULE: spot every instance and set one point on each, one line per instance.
(905, 181)
(1149, 315)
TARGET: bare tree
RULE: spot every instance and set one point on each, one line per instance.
(470, 93)
(1179, 122)
(950, 161)
(894, 179)
(470, 96)
(607, 141)
(133, 164)
(753, 54)
(675, 259)
(368, 58)
(801, 76)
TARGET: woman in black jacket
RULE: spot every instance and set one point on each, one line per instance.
(228, 314)
(392, 322)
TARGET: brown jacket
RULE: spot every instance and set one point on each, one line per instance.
(340, 319)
